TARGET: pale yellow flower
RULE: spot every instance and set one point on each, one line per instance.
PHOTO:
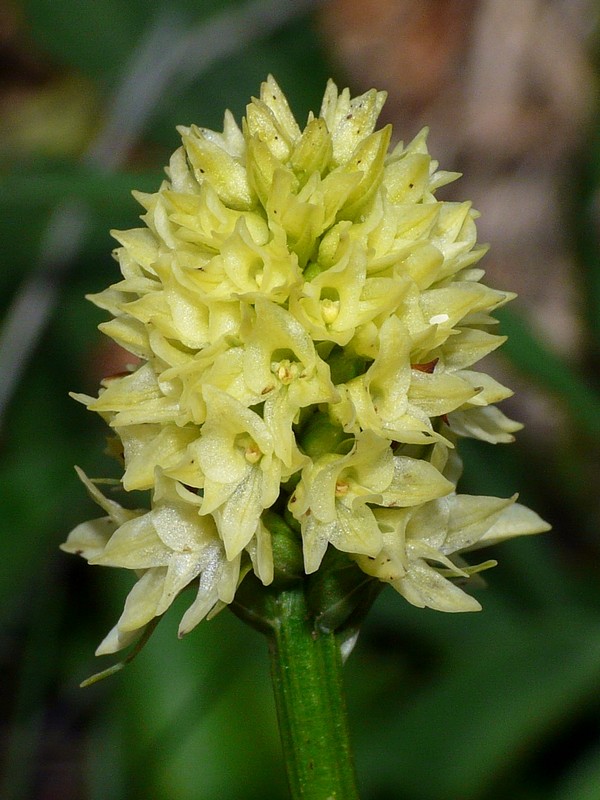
(307, 315)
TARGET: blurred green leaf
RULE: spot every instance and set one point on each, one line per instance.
(40, 656)
(69, 32)
(583, 226)
(44, 185)
(547, 369)
(583, 780)
(197, 714)
(505, 684)
(293, 55)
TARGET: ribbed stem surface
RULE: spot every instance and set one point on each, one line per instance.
(307, 681)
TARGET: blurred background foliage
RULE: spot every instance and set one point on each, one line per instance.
(501, 704)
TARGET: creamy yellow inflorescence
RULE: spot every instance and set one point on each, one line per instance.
(307, 315)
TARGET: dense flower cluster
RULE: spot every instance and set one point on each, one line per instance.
(307, 316)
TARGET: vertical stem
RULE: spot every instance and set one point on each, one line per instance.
(307, 681)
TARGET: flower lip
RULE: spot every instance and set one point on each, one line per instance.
(247, 445)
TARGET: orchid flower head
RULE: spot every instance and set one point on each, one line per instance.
(306, 317)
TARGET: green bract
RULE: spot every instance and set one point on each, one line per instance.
(307, 316)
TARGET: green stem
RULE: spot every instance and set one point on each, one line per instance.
(306, 670)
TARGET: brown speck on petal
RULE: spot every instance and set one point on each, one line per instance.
(428, 367)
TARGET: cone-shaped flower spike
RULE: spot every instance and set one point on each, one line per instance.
(307, 316)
